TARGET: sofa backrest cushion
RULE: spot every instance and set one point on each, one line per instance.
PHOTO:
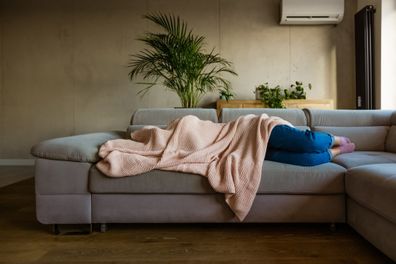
(368, 129)
(391, 138)
(294, 116)
(162, 116)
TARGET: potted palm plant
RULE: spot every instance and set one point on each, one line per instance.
(176, 59)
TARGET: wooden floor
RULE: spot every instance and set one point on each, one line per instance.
(24, 240)
(13, 174)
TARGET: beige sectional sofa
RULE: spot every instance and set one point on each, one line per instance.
(357, 188)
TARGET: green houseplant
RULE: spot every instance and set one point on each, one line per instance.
(274, 97)
(271, 97)
(297, 91)
(176, 59)
(226, 94)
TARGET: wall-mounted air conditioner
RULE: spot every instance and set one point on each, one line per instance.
(300, 12)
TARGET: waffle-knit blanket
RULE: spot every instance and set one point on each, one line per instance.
(230, 154)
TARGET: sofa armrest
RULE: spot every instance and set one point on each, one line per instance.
(80, 148)
(62, 194)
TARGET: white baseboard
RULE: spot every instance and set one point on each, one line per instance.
(16, 162)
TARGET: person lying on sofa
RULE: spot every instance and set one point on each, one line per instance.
(184, 137)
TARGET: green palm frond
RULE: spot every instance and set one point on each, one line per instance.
(176, 59)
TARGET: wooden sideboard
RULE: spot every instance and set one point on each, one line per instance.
(298, 103)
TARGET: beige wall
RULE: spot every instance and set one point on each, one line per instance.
(63, 62)
(344, 39)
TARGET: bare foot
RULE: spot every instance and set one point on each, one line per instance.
(346, 148)
(336, 141)
(339, 141)
(335, 151)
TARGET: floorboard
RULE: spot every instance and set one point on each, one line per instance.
(13, 174)
(24, 240)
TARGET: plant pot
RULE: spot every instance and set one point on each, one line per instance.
(257, 94)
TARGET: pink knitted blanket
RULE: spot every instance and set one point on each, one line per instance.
(230, 154)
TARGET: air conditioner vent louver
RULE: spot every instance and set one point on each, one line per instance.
(307, 17)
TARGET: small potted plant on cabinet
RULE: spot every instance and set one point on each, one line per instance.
(275, 97)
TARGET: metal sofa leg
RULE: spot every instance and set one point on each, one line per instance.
(71, 229)
(333, 227)
(55, 229)
(103, 228)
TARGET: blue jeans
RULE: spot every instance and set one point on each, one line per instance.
(298, 147)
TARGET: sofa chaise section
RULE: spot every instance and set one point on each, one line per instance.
(370, 179)
(62, 174)
(371, 204)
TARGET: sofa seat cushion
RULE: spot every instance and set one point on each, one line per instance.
(358, 158)
(81, 148)
(154, 182)
(374, 187)
(281, 178)
(278, 178)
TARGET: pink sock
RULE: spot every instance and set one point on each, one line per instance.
(344, 141)
(347, 148)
